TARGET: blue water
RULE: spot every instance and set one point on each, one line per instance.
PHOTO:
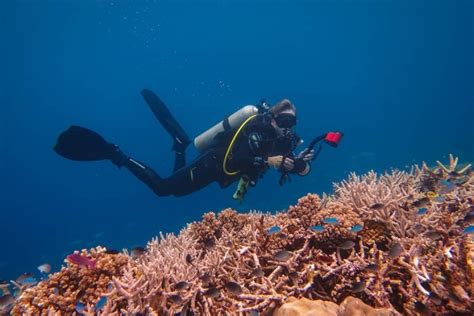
(396, 76)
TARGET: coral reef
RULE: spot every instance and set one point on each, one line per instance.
(61, 292)
(396, 241)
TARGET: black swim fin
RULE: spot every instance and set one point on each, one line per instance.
(180, 138)
(82, 144)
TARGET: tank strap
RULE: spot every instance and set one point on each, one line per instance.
(224, 163)
(226, 124)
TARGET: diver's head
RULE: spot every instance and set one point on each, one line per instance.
(284, 114)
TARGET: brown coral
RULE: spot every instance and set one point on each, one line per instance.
(64, 289)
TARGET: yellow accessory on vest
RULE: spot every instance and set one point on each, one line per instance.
(242, 188)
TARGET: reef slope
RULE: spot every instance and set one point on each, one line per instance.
(399, 241)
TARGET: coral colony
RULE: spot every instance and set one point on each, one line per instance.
(393, 244)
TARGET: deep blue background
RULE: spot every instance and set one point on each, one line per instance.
(396, 76)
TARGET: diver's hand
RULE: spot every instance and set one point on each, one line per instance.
(276, 162)
(306, 154)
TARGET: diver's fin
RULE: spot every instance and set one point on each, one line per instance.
(180, 138)
(82, 144)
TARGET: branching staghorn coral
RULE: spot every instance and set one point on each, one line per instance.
(395, 241)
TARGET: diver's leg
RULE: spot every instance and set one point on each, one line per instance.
(148, 176)
(162, 113)
(179, 160)
(142, 172)
(193, 177)
(184, 181)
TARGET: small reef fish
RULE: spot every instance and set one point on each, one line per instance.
(395, 251)
(439, 199)
(180, 286)
(358, 287)
(81, 260)
(356, 228)
(176, 299)
(460, 181)
(294, 277)
(137, 252)
(469, 230)
(258, 273)
(80, 308)
(422, 211)
(23, 277)
(372, 267)
(273, 230)
(282, 255)
(447, 187)
(317, 228)
(29, 282)
(6, 301)
(469, 218)
(212, 292)
(101, 303)
(45, 268)
(331, 220)
(346, 245)
(421, 202)
(233, 288)
(26, 279)
(209, 243)
(189, 259)
(433, 235)
(377, 206)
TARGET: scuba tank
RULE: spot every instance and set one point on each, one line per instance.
(210, 137)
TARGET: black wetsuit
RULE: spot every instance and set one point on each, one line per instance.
(257, 141)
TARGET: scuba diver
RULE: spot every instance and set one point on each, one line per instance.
(242, 147)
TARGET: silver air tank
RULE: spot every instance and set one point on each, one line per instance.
(207, 139)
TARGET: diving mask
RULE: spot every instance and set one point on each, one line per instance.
(285, 120)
